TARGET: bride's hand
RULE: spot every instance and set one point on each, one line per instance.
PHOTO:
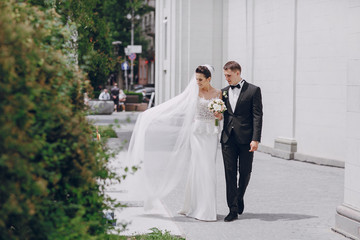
(218, 115)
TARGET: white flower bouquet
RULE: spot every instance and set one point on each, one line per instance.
(217, 106)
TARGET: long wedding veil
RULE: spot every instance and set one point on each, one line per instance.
(160, 144)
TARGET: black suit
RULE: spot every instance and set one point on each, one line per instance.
(115, 96)
(240, 128)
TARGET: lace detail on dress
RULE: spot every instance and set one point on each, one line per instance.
(204, 119)
(202, 110)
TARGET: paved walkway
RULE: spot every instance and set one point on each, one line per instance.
(139, 221)
(285, 200)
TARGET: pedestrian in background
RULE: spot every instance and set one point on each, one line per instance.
(104, 95)
(122, 99)
(115, 96)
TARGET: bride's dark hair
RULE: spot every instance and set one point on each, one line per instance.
(204, 70)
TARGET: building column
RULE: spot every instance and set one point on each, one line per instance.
(286, 147)
(347, 219)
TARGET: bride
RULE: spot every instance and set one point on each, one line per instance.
(176, 138)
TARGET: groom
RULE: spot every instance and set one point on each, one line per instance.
(240, 136)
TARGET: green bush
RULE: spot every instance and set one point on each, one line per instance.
(155, 234)
(96, 94)
(51, 169)
(104, 131)
(140, 95)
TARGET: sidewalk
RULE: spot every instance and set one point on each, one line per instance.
(285, 200)
(140, 221)
(137, 220)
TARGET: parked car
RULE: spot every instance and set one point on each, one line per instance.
(147, 91)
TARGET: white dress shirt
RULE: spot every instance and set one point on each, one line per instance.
(104, 96)
(234, 95)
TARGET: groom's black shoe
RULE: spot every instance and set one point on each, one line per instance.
(241, 206)
(231, 217)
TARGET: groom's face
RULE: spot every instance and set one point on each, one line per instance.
(232, 77)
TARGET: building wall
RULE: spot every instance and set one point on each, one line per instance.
(294, 50)
(189, 33)
(352, 167)
(305, 56)
(261, 39)
(347, 219)
(273, 65)
(321, 78)
(146, 66)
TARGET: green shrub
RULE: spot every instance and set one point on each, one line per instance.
(51, 169)
(104, 131)
(96, 94)
(140, 95)
(155, 234)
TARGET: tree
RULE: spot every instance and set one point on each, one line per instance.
(51, 169)
(94, 49)
(120, 26)
(98, 24)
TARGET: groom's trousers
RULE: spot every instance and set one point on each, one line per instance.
(236, 158)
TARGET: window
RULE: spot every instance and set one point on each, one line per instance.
(165, 37)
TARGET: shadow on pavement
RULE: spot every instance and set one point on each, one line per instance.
(178, 218)
(270, 217)
(275, 216)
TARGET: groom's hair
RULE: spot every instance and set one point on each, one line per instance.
(233, 66)
(204, 70)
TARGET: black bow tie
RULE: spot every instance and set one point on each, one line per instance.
(236, 86)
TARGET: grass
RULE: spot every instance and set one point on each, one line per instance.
(104, 131)
(156, 234)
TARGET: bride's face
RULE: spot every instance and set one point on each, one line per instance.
(202, 81)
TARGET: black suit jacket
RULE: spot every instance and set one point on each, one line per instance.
(115, 92)
(245, 123)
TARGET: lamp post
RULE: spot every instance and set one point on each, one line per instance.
(116, 45)
(132, 18)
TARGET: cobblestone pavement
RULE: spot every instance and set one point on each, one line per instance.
(285, 200)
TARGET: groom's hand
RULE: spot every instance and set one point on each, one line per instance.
(254, 146)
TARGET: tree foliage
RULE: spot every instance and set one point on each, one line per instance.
(98, 24)
(93, 43)
(51, 169)
(120, 27)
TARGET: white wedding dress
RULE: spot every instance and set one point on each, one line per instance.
(200, 192)
(170, 140)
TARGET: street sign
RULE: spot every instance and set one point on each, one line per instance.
(132, 56)
(127, 51)
(125, 66)
(116, 42)
(135, 48)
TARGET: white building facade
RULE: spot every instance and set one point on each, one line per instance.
(147, 65)
(305, 56)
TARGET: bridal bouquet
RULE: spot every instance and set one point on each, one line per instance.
(217, 105)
